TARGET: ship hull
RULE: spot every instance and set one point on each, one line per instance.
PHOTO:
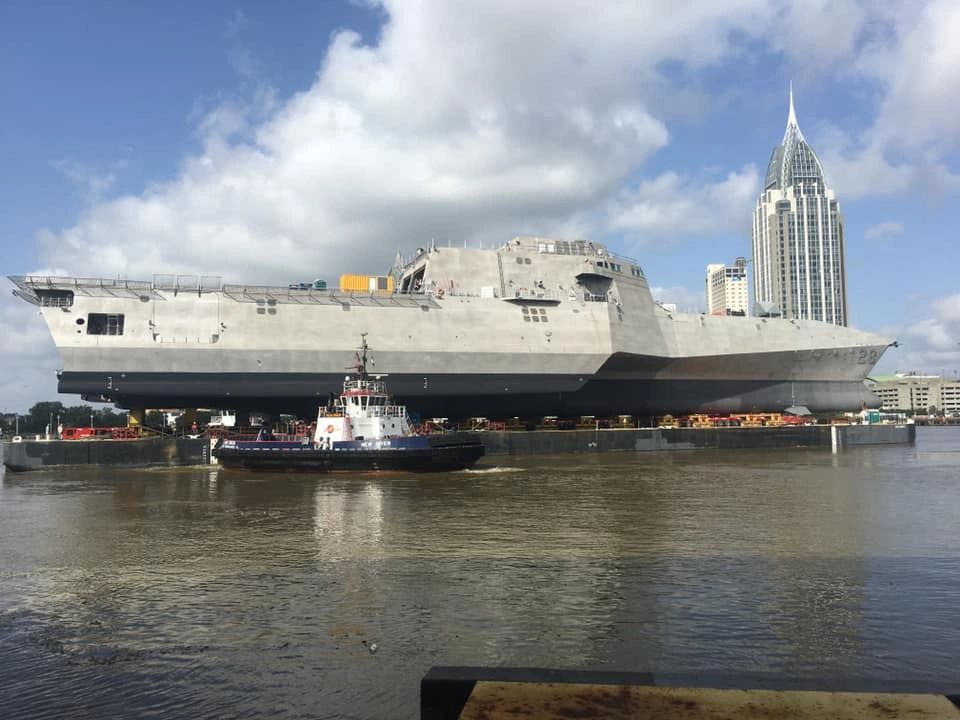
(536, 327)
(458, 396)
(442, 453)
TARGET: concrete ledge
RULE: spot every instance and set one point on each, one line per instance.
(452, 693)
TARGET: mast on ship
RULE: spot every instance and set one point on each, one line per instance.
(361, 364)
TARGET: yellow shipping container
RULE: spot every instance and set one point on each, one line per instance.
(366, 283)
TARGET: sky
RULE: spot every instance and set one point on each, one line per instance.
(298, 140)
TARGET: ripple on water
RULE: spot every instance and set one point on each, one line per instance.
(198, 594)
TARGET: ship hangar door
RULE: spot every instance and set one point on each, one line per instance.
(186, 310)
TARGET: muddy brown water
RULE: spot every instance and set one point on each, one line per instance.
(203, 593)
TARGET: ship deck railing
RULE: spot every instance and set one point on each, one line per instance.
(373, 386)
(385, 411)
(204, 284)
(371, 411)
(260, 294)
(276, 295)
(551, 246)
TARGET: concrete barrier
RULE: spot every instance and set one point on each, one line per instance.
(470, 693)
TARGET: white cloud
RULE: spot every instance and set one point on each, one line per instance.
(29, 359)
(670, 206)
(910, 58)
(685, 299)
(91, 183)
(883, 230)
(476, 120)
(465, 120)
(933, 344)
(820, 35)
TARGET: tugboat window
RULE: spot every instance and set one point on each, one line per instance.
(104, 324)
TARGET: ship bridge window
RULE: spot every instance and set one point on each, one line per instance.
(412, 283)
(55, 298)
(104, 324)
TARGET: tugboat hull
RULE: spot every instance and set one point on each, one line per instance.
(439, 453)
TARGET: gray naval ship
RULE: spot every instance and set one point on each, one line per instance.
(536, 327)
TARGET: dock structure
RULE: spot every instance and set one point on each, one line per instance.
(465, 693)
(169, 451)
(553, 442)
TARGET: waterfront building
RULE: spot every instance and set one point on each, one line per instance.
(727, 292)
(913, 392)
(798, 257)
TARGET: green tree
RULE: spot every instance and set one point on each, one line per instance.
(77, 416)
(42, 414)
(107, 417)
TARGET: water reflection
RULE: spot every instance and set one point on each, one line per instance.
(191, 592)
(348, 523)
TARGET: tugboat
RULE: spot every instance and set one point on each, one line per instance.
(362, 430)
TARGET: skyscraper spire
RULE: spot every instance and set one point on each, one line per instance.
(792, 120)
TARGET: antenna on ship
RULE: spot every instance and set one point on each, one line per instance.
(361, 364)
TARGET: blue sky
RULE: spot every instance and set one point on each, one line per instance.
(187, 137)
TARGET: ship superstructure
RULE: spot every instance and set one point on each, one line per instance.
(537, 326)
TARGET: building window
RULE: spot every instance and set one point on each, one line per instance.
(103, 324)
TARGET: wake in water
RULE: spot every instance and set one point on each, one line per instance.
(489, 471)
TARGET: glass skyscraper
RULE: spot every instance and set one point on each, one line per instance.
(798, 261)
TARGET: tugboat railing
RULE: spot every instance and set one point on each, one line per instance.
(374, 386)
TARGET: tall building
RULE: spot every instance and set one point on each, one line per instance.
(727, 289)
(798, 235)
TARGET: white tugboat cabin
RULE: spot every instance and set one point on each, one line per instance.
(364, 411)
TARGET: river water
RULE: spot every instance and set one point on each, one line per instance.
(203, 593)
